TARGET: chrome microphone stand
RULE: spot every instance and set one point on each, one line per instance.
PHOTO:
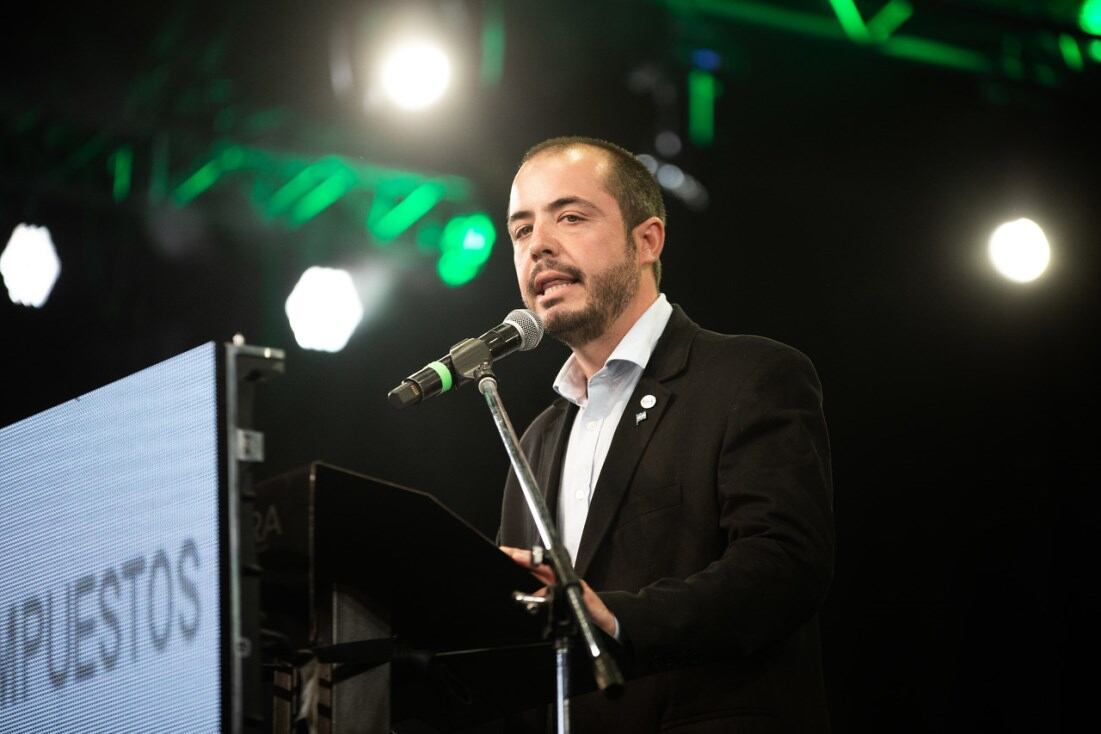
(472, 359)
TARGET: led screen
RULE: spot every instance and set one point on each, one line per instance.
(109, 605)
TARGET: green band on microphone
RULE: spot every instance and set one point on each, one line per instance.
(444, 373)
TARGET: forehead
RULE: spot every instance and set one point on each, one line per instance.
(555, 174)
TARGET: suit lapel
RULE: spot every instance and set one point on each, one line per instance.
(631, 436)
(628, 444)
(554, 452)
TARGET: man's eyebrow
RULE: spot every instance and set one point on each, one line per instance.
(522, 214)
(555, 205)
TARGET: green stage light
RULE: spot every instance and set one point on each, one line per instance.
(198, 182)
(889, 19)
(465, 246)
(493, 42)
(323, 196)
(851, 21)
(122, 167)
(403, 215)
(702, 90)
(1089, 17)
(294, 189)
(1072, 55)
(403, 203)
(225, 159)
(936, 53)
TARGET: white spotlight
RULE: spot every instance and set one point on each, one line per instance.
(1019, 250)
(29, 265)
(415, 74)
(324, 309)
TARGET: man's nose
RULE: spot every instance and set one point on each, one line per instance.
(544, 241)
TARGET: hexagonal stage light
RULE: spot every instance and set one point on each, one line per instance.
(29, 265)
(324, 309)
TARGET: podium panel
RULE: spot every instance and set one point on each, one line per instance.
(348, 558)
(124, 604)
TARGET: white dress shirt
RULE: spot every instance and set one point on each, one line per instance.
(602, 401)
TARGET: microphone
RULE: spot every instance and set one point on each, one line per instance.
(520, 331)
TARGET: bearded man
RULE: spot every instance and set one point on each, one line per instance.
(689, 471)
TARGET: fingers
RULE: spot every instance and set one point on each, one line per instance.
(599, 612)
(544, 574)
(521, 556)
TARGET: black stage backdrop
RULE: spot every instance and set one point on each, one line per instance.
(851, 196)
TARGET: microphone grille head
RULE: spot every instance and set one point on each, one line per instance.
(529, 326)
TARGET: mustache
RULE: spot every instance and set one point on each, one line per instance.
(557, 267)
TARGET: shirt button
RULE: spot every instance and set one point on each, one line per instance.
(579, 494)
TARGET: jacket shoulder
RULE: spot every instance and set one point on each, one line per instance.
(749, 352)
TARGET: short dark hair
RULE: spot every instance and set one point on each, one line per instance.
(630, 183)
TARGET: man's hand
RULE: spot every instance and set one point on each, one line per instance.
(601, 615)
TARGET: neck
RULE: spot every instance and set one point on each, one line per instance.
(592, 355)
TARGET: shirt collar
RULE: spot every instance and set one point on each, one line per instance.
(635, 348)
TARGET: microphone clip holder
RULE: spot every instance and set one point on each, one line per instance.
(471, 358)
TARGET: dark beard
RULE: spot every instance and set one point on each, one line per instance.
(611, 291)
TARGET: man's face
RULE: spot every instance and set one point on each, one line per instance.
(575, 263)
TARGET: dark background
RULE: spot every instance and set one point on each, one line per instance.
(851, 195)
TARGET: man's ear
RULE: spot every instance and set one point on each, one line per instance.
(650, 239)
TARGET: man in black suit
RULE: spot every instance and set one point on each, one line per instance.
(688, 471)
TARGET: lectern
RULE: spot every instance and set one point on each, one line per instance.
(405, 609)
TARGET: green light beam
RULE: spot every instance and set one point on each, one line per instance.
(197, 182)
(123, 167)
(910, 48)
(323, 196)
(415, 205)
(1072, 55)
(762, 14)
(938, 54)
(851, 21)
(292, 190)
(85, 153)
(701, 107)
(493, 42)
(889, 19)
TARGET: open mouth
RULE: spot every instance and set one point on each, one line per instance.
(551, 283)
(551, 288)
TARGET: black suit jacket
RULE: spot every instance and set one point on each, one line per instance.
(709, 536)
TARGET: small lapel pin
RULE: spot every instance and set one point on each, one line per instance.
(648, 401)
(640, 417)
